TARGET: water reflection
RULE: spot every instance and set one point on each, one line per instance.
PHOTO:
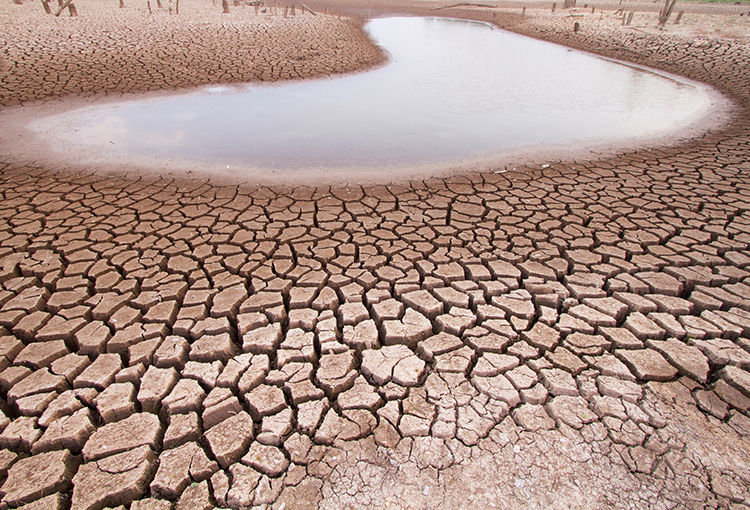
(453, 90)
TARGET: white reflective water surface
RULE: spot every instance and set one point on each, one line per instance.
(453, 90)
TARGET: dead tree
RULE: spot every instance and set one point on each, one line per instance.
(666, 12)
(71, 8)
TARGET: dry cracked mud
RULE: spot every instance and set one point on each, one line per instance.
(576, 336)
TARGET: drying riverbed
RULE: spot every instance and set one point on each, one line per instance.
(566, 336)
(453, 96)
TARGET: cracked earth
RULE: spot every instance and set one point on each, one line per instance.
(576, 336)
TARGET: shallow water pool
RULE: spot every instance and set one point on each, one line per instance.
(452, 91)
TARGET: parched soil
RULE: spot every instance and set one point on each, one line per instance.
(110, 50)
(576, 336)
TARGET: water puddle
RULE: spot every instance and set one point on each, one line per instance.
(453, 91)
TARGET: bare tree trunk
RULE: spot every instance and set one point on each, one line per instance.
(46, 7)
(664, 16)
(225, 6)
(63, 6)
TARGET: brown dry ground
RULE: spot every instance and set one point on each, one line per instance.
(481, 341)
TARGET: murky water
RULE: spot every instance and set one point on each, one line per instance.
(453, 90)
